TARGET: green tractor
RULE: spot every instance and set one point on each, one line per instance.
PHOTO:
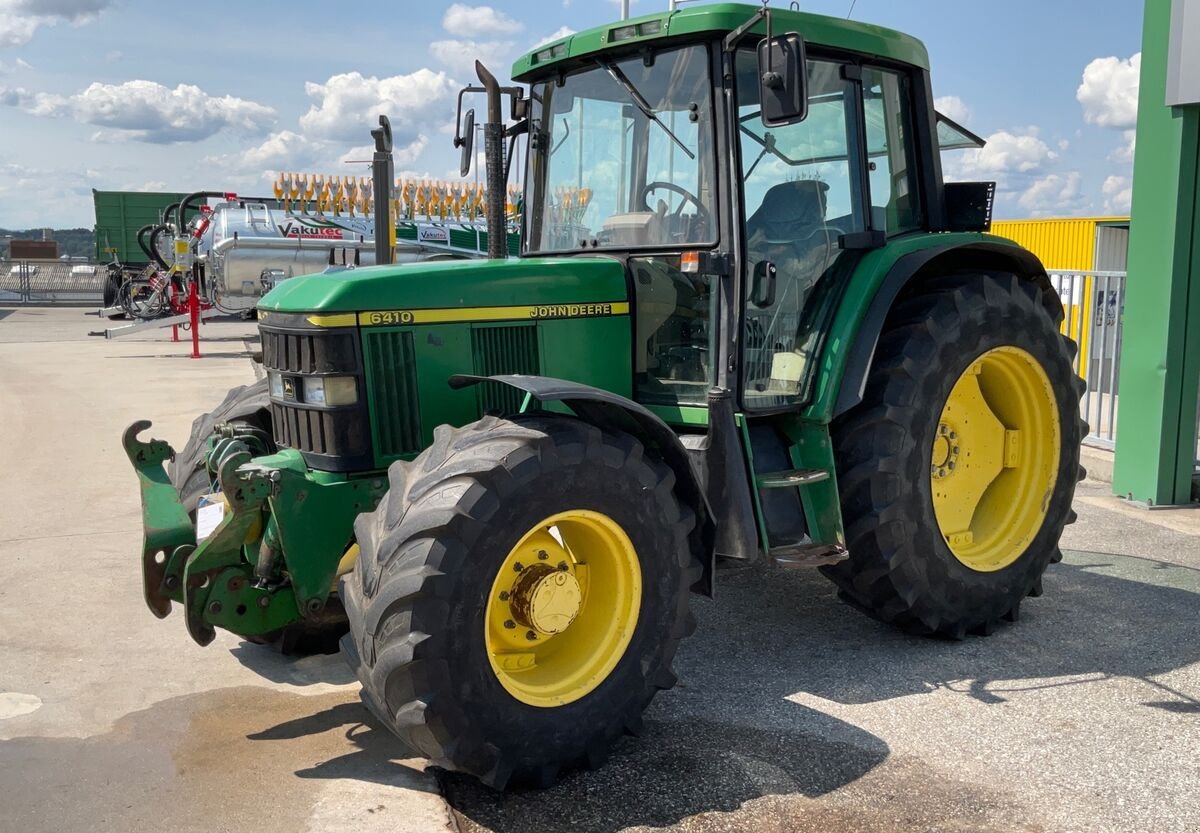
(749, 321)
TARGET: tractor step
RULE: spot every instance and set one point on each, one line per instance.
(808, 555)
(790, 478)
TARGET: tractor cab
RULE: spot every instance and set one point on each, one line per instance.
(697, 156)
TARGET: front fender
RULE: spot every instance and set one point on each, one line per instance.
(609, 410)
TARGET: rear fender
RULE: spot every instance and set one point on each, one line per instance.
(611, 411)
(910, 270)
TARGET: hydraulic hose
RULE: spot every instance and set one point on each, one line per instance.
(154, 253)
(187, 201)
(141, 240)
(169, 213)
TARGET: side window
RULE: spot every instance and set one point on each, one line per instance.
(673, 357)
(891, 152)
(801, 193)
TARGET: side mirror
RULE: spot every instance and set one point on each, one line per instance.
(467, 142)
(519, 106)
(762, 284)
(782, 73)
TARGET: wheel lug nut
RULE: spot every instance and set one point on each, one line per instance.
(953, 435)
(950, 465)
(562, 566)
(214, 607)
(955, 449)
(504, 595)
(510, 624)
(530, 635)
(543, 555)
(518, 567)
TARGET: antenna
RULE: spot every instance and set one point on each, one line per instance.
(852, 4)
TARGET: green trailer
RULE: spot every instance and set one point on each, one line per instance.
(749, 321)
(119, 215)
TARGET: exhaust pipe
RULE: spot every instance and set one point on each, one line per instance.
(493, 152)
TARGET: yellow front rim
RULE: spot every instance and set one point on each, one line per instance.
(994, 461)
(563, 607)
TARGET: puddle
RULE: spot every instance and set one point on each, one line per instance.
(232, 759)
(15, 704)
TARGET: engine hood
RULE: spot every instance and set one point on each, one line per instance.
(453, 284)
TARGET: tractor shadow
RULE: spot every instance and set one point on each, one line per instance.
(733, 731)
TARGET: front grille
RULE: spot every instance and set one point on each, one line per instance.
(394, 392)
(309, 353)
(501, 351)
(331, 439)
(307, 429)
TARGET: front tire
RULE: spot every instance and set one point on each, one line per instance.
(519, 596)
(957, 470)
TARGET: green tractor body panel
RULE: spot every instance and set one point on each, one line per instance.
(690, 22)
(445, 285)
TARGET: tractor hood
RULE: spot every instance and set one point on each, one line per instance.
(455, 283)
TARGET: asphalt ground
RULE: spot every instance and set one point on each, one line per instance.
(792, 713)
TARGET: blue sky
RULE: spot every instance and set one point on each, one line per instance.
(131, 94)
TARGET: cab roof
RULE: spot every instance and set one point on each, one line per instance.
(718, 18)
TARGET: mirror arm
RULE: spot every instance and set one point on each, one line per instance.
(734, 37)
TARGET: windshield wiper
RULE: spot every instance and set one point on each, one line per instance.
(642, 104)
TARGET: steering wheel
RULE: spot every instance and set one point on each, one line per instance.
(688, 196)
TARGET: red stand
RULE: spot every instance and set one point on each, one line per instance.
(194, 310)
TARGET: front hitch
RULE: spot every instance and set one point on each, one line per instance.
(166, 527)
(177, 568)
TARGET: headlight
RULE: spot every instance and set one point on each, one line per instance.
(330, 391)
(276, 383)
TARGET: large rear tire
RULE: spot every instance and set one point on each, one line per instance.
(519, 596)
(957, 470)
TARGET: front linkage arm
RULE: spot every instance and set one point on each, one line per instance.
(211, 579)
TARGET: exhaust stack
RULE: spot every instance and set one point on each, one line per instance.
(494, 178)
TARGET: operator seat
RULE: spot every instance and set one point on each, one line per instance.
(789, 230)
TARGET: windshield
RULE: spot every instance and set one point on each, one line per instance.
(621, 155)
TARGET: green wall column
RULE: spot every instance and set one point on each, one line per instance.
(1160, 357)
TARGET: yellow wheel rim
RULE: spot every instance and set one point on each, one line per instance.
(563, 607)
(995, 458)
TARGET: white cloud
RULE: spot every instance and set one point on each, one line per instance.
(288, 151)
(18, 65)
(1118, 194)
(1053, 194)
(1124, 153)
(460, 55)
(558, 34)
(347, 106)
(466, 21)
(19, 19)
(1005, 154)
(953, 108)
(146, 111)
(1109, 92)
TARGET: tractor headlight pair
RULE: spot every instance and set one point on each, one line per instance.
(323, 391)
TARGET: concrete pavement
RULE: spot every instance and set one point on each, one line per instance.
(793, 712)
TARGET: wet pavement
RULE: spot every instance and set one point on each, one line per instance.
(793, 712)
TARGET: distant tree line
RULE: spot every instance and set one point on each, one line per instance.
(72, 242)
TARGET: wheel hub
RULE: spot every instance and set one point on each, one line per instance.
(994, 458)
(945, 451)
(546, 599)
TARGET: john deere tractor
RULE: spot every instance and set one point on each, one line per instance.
(749, 321)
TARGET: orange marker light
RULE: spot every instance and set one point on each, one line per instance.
(689, 263)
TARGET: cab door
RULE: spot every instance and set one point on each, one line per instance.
(804, 197)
